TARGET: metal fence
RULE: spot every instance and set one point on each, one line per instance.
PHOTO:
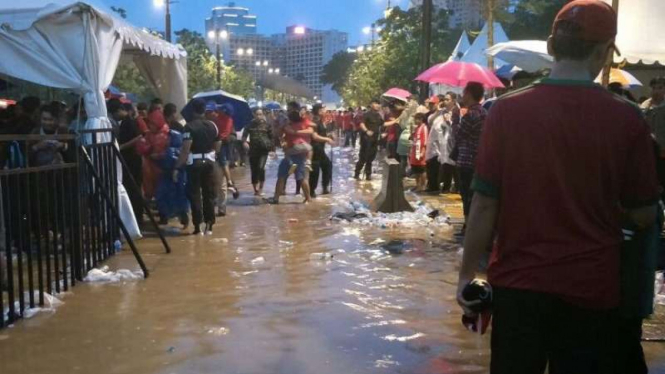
(59, 215)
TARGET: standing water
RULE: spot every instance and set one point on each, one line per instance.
(277, 289)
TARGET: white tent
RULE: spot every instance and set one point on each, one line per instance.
(640, 31)
(476, 52)
(77, 46)
(462, 46)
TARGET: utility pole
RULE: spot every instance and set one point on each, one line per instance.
(373, 31)
(426, 45)
(168, 21)
(610, 58)
(219, 60)
(490, 32)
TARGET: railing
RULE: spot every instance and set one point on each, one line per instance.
(59, 218)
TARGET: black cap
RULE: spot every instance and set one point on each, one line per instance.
(317, 107)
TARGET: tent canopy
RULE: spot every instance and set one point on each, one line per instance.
(476, 53)
(640, 31)
(77, 46)
(462, 46)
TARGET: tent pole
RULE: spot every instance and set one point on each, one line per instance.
(610, 57)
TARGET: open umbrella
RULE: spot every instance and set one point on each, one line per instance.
(398, 93)
(458, 74)
(626, 79)
(273, 105)
(242, 114)
(529, 55)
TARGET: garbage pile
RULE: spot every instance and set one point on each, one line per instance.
(355, 212)
(104, 275)
(50, 304)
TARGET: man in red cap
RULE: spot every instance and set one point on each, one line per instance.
(560, 163)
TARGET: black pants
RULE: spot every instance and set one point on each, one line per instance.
(321, 164)
(135, 165)
(433, 167)
(465, 179)
(403, 163)
(367, 155)
(449, 174)
(257, 164)
(201, 191)
(630, 356)
(532, 330)
(350, 138)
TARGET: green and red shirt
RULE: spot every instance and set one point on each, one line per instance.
(563, 158)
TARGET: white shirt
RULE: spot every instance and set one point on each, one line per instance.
(436, 144)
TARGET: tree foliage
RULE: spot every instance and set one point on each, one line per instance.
(532, 19)
(336, 72)
(395, 59)
(202, 68)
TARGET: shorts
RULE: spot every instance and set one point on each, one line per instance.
(224, 154)
(285, 165)
(417, 169)
(298, 149)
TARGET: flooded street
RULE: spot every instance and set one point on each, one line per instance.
(277, 289)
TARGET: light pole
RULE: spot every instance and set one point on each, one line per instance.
(167, 5)
(217, 36)
(371, 30)
(426, 45)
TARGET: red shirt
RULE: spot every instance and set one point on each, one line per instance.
(347, 121)
(391, 131)
(224, 126)
(561, 156)
(417, 155)
(293, 139)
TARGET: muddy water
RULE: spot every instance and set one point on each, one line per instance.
(253, 299)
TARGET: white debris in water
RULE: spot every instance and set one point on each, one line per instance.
(50, 304)
(220, 240)
(361, 215)
(385, 362)
(321, 256)
(258, 261)
(377, 242)
(104, 275)
(392, 338)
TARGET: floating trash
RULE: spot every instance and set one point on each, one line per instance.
(104, 275)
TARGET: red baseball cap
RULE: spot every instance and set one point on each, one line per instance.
(434, 100)
(596, 19)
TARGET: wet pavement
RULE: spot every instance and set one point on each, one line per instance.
(276, 289)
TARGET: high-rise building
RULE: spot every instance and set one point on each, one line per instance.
(464, 14)
(300, 53)
(307, 51)
(234, 19)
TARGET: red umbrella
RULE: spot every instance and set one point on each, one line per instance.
(397, 93)
(458, 74)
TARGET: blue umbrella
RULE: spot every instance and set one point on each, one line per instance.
(273, 105)
(236, 107)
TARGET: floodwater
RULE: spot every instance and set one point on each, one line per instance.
(260, 297)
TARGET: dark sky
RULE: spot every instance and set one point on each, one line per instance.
(273, 15)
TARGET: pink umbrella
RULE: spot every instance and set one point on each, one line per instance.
(398, 93)
(458, 74)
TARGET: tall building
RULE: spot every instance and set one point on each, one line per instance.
(464, 14)
(300, 52)
(307, 51)
(234, 19)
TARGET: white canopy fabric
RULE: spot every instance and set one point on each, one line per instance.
(640, 36)
(462, 46)
(529, 55)
(476, 53)
(74, 45)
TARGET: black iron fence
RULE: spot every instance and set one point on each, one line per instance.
(59, 214)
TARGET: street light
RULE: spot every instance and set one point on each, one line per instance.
(167, 5)
(217, 36)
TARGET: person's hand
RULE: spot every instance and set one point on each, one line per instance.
(246, 145)
(176, 172)
(370, 133)
(330, 141)
(466, 305)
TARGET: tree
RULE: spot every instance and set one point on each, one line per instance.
(128, 79)
(395, 59)
(121, 12)
(336, 72)
(532, 19)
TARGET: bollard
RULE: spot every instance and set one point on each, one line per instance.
(391, 199)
